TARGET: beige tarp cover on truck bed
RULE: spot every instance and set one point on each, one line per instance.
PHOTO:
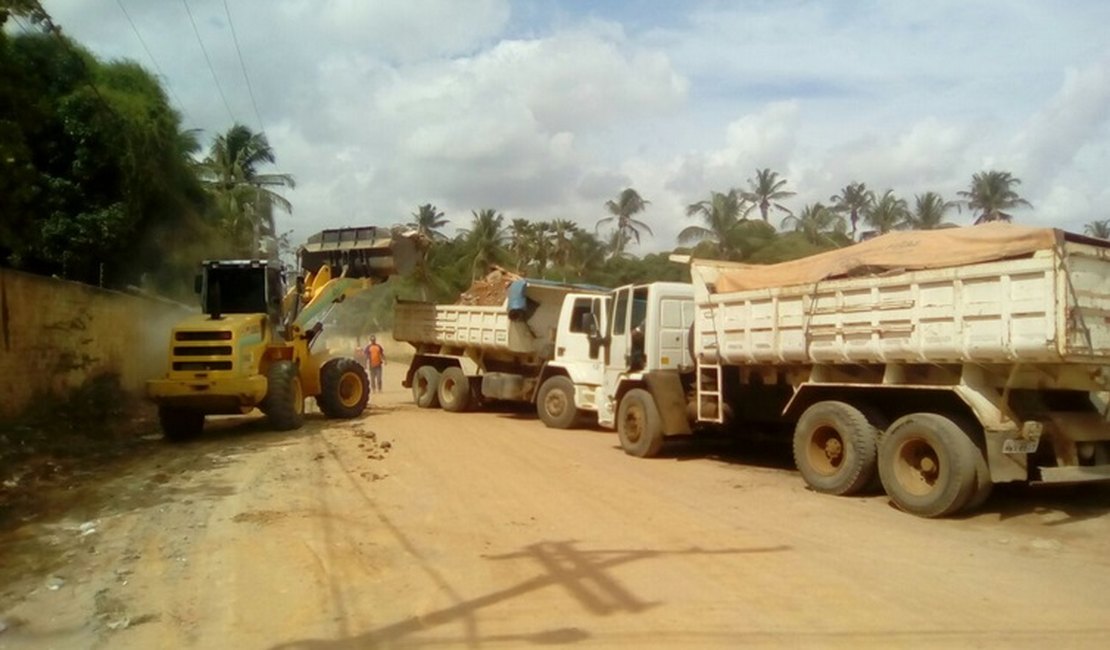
(911, 250)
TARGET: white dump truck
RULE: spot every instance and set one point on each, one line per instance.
(937, 363)
(531, 348)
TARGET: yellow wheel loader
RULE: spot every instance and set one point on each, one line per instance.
(252, 345)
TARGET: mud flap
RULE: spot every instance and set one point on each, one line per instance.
(670, 398)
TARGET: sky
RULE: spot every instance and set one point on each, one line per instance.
(545, 109)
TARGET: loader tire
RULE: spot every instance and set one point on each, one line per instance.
(284, 401)
(344, 389)
(454, 390)
(425, 387)
(178, 424)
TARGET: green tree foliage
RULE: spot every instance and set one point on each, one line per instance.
(484, 241)
(245, 197)
(1099, 228)
(887, 213)
(820, 225)
(853, 199)
(95, 178)
(929, 211)
(428, 220)
(623, 210)
(721, 216)
(765, 191)
(992, 195)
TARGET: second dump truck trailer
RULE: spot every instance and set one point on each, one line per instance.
(939, 363)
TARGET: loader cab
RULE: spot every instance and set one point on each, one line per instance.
(241, 287)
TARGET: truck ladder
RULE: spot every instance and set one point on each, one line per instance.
(708, 393)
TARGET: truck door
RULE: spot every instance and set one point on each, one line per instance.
(575, 348)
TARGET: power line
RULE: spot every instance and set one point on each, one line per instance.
(209, 61)
(250, 90)
(154, 61)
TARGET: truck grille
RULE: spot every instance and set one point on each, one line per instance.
(201, 352)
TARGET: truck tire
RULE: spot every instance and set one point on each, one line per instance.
(835, 448)
(178, 424)
(928, 465)
(555, 403)
(983, 483)
(425, 387)
(454, 390)
(344, 389)
(284, 401)
(639, 425)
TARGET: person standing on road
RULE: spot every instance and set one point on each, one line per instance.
(375, 359)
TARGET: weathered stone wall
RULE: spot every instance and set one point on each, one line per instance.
(56, 335)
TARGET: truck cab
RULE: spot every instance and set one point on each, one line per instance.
(646, 349)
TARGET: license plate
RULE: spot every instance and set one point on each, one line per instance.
(1019, 446)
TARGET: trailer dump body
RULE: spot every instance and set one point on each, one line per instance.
(988, 294)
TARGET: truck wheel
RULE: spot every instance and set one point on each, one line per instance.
(454, 390)
(927, 465)
(638, 424)
(834, 448)
(425, 386)
(284, 401)
(344, 389)
(178, 424)
(983, 483)
(555, 403)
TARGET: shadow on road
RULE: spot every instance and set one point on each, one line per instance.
(582, 573)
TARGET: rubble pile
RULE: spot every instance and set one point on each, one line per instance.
(490, 290)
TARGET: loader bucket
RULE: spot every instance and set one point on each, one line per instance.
(362, 252)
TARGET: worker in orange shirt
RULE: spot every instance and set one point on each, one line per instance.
(375, 360)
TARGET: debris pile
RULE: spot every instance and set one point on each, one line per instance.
(489, 291)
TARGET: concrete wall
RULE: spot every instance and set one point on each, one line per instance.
(55, 335)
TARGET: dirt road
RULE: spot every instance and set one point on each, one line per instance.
(410, 528)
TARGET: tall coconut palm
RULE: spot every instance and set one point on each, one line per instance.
(427, 220)
(722, 214)
(628, 204)
(765, 191)
(244, 196)
(887, 214)
(587, 255)
(541, 246)
(991, 194)
(817, 222)
(928, 212)
(1100, 229)
(853, 200)
(485, 240)
(522, 242)
(562, 233)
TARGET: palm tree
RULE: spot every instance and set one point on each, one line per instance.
(485, 240)
(587, 255)
(541, 246)
(427, 220)
(722, 214)
(928, 212)
(886, 214)
(765, 190)
(1100, 229)
(817, 222)
(244, 196)
(522, 242)
(853, 199)
(562, 232)
(628, 204)
(991, 194)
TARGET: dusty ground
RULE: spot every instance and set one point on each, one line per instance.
(410, 528)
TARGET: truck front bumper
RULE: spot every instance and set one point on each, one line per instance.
(222, 395)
